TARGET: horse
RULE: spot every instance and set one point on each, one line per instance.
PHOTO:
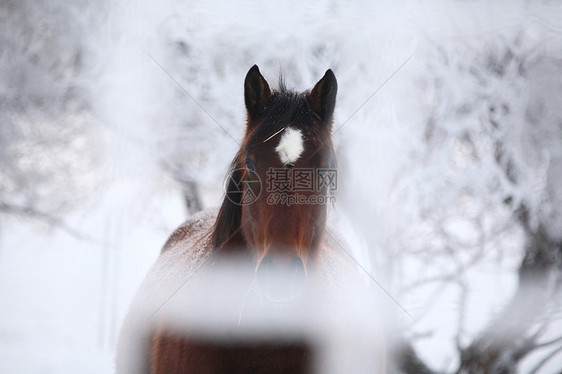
(276, 227)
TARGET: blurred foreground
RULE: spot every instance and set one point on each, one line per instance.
(118, 121)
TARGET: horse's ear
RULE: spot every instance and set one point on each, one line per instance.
(322, 98)
(256, 93)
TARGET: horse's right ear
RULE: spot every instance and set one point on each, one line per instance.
(322, 98)
(256, 93)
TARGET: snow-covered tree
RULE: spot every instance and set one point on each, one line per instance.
(49, 141)
(447, 124)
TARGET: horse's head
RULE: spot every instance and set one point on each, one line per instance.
(277, 196)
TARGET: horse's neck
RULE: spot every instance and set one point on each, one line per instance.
(192, 241)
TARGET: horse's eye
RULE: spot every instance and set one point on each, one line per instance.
(251, 166)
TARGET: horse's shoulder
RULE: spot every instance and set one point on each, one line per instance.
(196, 228)
(184, 252)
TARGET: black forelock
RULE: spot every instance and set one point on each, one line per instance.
(285, 108)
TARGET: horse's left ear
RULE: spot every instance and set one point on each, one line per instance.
(322, 98)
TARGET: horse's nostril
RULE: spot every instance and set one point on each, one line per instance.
(266, 265)
(280, 278)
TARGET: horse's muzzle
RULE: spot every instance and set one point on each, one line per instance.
(280, 278)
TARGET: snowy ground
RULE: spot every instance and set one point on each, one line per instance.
(63, 298)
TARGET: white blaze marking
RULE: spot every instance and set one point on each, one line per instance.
(290, 146)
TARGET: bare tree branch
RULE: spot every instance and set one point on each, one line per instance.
(408, 361)
(500, 346)
(550, 342)
(547, 358)
(31, 212)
